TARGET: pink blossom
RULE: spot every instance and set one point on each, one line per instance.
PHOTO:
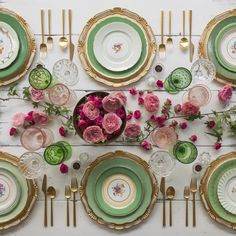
(140, 92)
(183, 125)
(189, 109)
(133, 91)
(90, 110)
(111, 103)
(83, 124)
(111, 123)
(168, 102)
(174, 123)
(90, 98)
(13, 131)
(64, 168)
(217, 146)
(62, 131)
(121, 113)
(178, 108)
(146, 145)
(37, 95)
(40, 118)
(225, 93)
(18, 119)
(159, 83)
(29, 119)
(93, 134)
(137, 114)
(193, 138)
(99, 121)
(132, 130)
(129, 116)
(121, 95)
(97, 102)
(151, 102)
(211, 124)
(140, 100)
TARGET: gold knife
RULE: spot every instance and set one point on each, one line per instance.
(162, 188)
(44, 189)
(72, 46)
(193, 189)
(191, 48)
(74, 190)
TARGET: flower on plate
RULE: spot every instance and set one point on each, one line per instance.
(111, 123)
(151, 102)
(37, 95)
(40, 118)
(189, 109)
(111, 103)
(93, 134)
(146, 145)
(225, 93)
(90, 110)
(12, 131)
(64, 168)
(132, 130)
(18, 119)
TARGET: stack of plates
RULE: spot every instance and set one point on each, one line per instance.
(17, 47)
(17, 195)
(118, 190)
(117, 47)
(218, 44)
(218, 190)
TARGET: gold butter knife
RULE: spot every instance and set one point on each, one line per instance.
(72, 46)
(193, 189)
(162, 189)
(44, 189)
(67, 196)
(186, 197)
(191, 48)
(74, 190)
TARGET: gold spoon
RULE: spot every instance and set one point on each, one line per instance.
(162, 47)
(51, 192)
(74, 190)
(170, 193)
(49, 38)
(63, 42)
(43, 46)
(184, 41)
(186, 197)
(67, 196)
(169, 40)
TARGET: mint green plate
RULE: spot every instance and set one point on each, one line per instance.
(24, 191)
(136, 200)
(211, 48)
(123, 163)
(222, 60)
(98, 67)
(23, 51)
(212, 190)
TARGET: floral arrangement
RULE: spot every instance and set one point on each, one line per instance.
(100, 117)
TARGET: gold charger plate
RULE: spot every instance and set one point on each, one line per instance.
(32, 196)
(95, 74)
(31, 51)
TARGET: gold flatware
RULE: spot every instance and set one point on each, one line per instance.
(186, 197)
(51, 192)
(43, 46)
(170, 193)
(193, 189)
(63, 42)
(169, 41)
(72, 46)
(162, 47)
(49, 38)
(191, 45)
(44, 189)
(74, 190)
(67, 196)
(184, 41)
(163, 191)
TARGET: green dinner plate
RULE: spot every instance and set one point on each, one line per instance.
(131, 193)
(24, 47)
(122, 163)
(212, 190)
(98, 67)
(211, 48)
(24, 191)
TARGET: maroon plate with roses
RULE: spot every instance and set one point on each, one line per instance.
(100, 117)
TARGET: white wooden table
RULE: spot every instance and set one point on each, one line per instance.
(203, 11)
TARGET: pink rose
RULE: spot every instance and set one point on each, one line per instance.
(13, 131)
(36, 95)
(83, 124)
(93, 134)
(99, 121)
(189, 109)
(111, 103)
(146, 145)
(90, 110)
(132, 130)
(64, 168)
(18, 119)
(225, 93)
(121, 113)
(62, 131)
(137, 114)
(151, 102)
(111, 123)
(133, 91)
(121, 95)
(40, 118)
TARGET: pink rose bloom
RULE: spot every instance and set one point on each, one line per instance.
(151, 102)
(18, 119)
(137, 114)
(111, 123)
(146, 145)
(121, 113)
(36, 95)
(93, 134)
(40, 118)
(225, 93)
(111, 103)
(64, 168)
(99, 121)
(90, 110)
(13, 131)
(132, 130)
(121, 95)
(62, 131)
(189, 109)
(82, 124)
(133, 91)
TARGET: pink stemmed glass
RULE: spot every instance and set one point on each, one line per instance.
(59, 94)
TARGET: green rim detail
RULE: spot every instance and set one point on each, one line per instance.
(23, 51)
(99, 67)
(169, 87)
(125, 163)
(180, 78)
(119, 212)
(54, 154)
(68, 149)
(212, 190)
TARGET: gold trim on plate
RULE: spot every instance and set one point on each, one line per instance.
(112, 155)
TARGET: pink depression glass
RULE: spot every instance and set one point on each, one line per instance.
(59, 94)
(72, 99)
(32, 138)
(164, 137)
(49, 137)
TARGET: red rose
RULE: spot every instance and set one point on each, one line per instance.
(62, 131)
(64, 168)
(137, 114)
(13, 131)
